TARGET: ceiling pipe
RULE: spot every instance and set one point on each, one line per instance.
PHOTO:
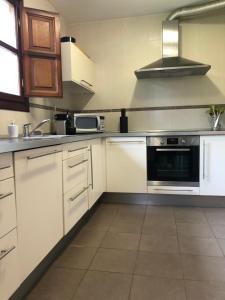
(193, 10)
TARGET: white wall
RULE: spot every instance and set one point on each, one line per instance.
(120, 46)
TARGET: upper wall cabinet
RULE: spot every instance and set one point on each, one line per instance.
(41, 53)
(77, 69)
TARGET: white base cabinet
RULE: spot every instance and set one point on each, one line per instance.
(75, 183)
(97, 170)
(212, 165)
(38, 175)
(126, 165)
(9, 271)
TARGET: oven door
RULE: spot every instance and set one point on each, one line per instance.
(173, 166)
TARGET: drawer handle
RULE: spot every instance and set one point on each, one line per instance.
(2, 196)
(78, 194)
(77, 164)
(4, 167)
(5, 252)
(44, 154)
(173, 190)
(73, 150)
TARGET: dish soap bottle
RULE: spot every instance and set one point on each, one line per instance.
(123, 121)
(13, 131)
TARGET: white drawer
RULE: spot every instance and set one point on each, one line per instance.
(180, 190)
(75, 172)
(6, 166)
(7, 206)
(9, 272)
(74, 149)
(75, 206)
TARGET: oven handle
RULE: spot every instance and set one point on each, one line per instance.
(173, 150)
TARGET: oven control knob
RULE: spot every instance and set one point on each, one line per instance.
(183, 141)
(162, 141)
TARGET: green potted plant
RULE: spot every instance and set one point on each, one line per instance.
(215, 112)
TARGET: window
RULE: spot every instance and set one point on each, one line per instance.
(11, 74)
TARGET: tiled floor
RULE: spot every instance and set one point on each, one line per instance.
(139, 252)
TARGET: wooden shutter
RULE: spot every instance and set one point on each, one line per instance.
(41, 53)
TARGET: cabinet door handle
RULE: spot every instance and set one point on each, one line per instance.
(86, 82)
(77, 164)
(78, 194)
(2, 196)
(92, 178)
(5, 252)
(73, 150)
(4, 167)
(203, 161)
(44, 154)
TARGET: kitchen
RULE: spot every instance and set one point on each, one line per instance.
(94, 211)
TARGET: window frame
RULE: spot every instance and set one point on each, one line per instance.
(10, 101)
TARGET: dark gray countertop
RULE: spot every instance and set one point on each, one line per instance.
(12, 145)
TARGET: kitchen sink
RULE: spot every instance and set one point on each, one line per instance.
(43, 137)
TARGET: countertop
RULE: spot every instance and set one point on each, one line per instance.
(12, 145)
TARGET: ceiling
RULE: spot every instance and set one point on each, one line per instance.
(93, 10)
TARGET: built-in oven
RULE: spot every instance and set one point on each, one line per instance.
(173, 161)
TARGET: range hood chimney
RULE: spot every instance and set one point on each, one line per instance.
(171, 64)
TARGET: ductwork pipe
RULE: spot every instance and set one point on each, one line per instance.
(193, 10)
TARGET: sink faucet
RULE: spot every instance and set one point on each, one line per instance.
(26, 128)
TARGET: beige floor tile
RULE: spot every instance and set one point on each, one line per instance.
(159, 227)
(222, 245)
(148, 288)
(194, 230)
(158, 244)
(199, 246)
(215, 215)
(113, 260)
(88, 238)
(57, 284)
(104, 286)
(159, 265)
(76, 257)
(189, 215)
(218, 230)
(203, 268)
(205, 290)
(118, 240)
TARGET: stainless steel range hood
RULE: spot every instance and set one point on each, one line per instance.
(171, 64)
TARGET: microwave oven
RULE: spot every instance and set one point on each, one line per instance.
(79, 123)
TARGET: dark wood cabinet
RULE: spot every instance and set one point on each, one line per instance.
(41, 53)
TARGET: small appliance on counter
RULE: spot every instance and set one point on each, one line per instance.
(70, 124)
(123, 121)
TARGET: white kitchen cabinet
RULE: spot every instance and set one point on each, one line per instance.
(7, 206)
(38, 177)
(77, 68)
(98, 171)
(75, 183)
(6, 166)
(75, 205)
(9, 271)
(212, 165)
(126, 165)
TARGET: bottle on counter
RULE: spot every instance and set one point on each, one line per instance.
(13, 131)
(123, 121)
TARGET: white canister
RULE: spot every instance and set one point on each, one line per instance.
(13, 131)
